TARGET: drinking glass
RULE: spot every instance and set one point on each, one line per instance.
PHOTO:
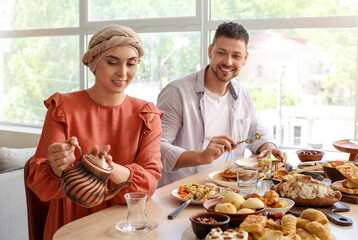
(137, 219)
(137, 216)
(247, 180)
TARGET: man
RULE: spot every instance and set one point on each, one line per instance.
(206, 113)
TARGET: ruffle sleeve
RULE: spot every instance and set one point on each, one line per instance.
(58, 113)
(149, 113)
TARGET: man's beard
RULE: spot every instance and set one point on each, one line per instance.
(221, 79)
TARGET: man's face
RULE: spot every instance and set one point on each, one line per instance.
(228, 55)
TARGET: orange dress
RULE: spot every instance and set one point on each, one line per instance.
(132, 129)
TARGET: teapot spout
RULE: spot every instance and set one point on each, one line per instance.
(110, 193)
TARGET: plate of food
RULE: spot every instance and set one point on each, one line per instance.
(186, 192)
(228, 177)
(283, 205)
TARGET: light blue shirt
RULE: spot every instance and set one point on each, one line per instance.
(183, 123)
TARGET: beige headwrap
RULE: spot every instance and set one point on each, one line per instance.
(109, 37)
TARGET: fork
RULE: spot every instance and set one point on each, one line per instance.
(247, 141)
(184, 205)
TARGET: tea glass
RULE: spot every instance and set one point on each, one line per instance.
(137, 219)
(247, 180)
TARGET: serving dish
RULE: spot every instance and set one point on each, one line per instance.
(332, 172)
(235, 218)
(201, 229)
(307, 155)
(281, 210)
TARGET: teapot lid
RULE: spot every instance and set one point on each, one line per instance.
(99, 160)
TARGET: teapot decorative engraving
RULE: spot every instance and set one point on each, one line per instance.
(85, 183)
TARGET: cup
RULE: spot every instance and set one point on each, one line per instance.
(247, 180)
(137, 218)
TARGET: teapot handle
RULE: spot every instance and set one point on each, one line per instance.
(80, 149)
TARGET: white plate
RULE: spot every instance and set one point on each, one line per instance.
(175, 194)
(222, 183)
(225, 183)
(282, 210)
(246, 162)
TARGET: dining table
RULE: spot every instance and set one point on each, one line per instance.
(101, 225)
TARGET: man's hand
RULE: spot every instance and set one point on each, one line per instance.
(265, 149)
(216, 147)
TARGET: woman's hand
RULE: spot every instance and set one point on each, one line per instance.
(95, 151)
(61, 155)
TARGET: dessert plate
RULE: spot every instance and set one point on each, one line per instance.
(229, 184)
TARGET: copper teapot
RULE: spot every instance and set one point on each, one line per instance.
(85, 183)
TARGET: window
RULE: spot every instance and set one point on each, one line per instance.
(297, 135)
(301, 70)
(259, 71)
(101, 10)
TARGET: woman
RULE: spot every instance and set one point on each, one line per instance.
(95, 118)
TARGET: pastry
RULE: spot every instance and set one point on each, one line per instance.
(349, 170)
(253, 223)
(255, 195)
(272, 235)
(271, 197)
(349, 184)
(288, 224)
(291, 237)
(253, 203)
(314, 215)
(230, 173)
(260, 234)
(301, 223)
(246, 210)
(234, 198)
(305, 190)
(214, 234)
(272, 224)
(227, 208)
(279, 204)
(306, 235)
(319, 230)
(344, 186)
(218, 234)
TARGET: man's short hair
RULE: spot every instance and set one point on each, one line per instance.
(231, 30)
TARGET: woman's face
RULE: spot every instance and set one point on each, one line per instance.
(116, 70)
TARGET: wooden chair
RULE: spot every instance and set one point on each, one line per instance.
(36, 210)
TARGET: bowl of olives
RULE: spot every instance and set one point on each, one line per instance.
(310, 155)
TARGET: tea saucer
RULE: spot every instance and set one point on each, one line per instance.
(123, 227)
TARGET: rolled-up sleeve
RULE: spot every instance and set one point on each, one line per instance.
(170, 102)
